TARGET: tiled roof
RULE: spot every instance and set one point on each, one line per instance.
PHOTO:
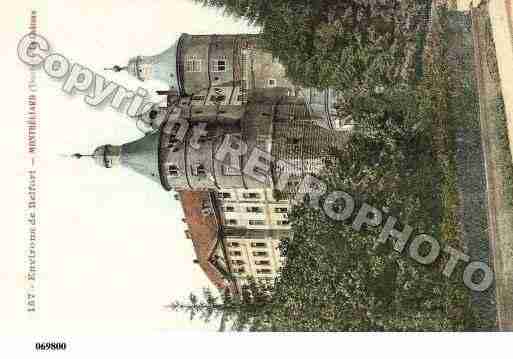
(203, 232)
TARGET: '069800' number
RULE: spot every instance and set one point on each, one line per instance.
(51, 346)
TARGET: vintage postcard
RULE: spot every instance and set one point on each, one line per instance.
(256, 166)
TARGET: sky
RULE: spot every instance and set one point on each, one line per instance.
(111, 245)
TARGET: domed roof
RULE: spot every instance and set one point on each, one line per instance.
(161, 67)
(142, 156)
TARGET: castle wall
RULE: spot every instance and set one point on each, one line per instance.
(195, 58)
(235, 88)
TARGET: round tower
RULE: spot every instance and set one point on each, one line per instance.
(224, 70)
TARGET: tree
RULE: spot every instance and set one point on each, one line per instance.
(336, 43)
(245, 310)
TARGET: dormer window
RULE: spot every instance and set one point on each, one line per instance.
(173, 171)
(271, 82)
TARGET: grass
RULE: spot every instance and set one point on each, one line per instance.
(503, 158)
(451, 97)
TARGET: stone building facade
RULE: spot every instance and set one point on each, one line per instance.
(230, 108)
(222, 70)
(230, 252)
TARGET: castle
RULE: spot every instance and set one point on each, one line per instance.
(233, 134)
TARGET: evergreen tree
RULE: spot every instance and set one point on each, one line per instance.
(245, 310)
(336, 43)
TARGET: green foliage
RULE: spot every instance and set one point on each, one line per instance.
(338, 279)
(504, 160)
(338, 44)
(244, 310)
(335, 278)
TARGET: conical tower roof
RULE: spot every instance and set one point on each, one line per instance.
(162, 67)
(142, 156)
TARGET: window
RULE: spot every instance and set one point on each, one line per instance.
(231, 222)
(260, 254)
(198, 98)
(282, 223)
(265, 160)
(254, 209)
(192, 64)
(229, 209)
(235, 253)
(217, 98)
(293, 141)
(239, 270)
(234, 244)
(251, 195)
(230, 171)
(225, 195)
(256, 222)
(237, 262)
(271, 82)
(281, 210)
(260, 171)
(263, 271)
(220, 65)
(239, 98)
(173, 171)
(258, 244)
(201, 171)
(262, 263)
